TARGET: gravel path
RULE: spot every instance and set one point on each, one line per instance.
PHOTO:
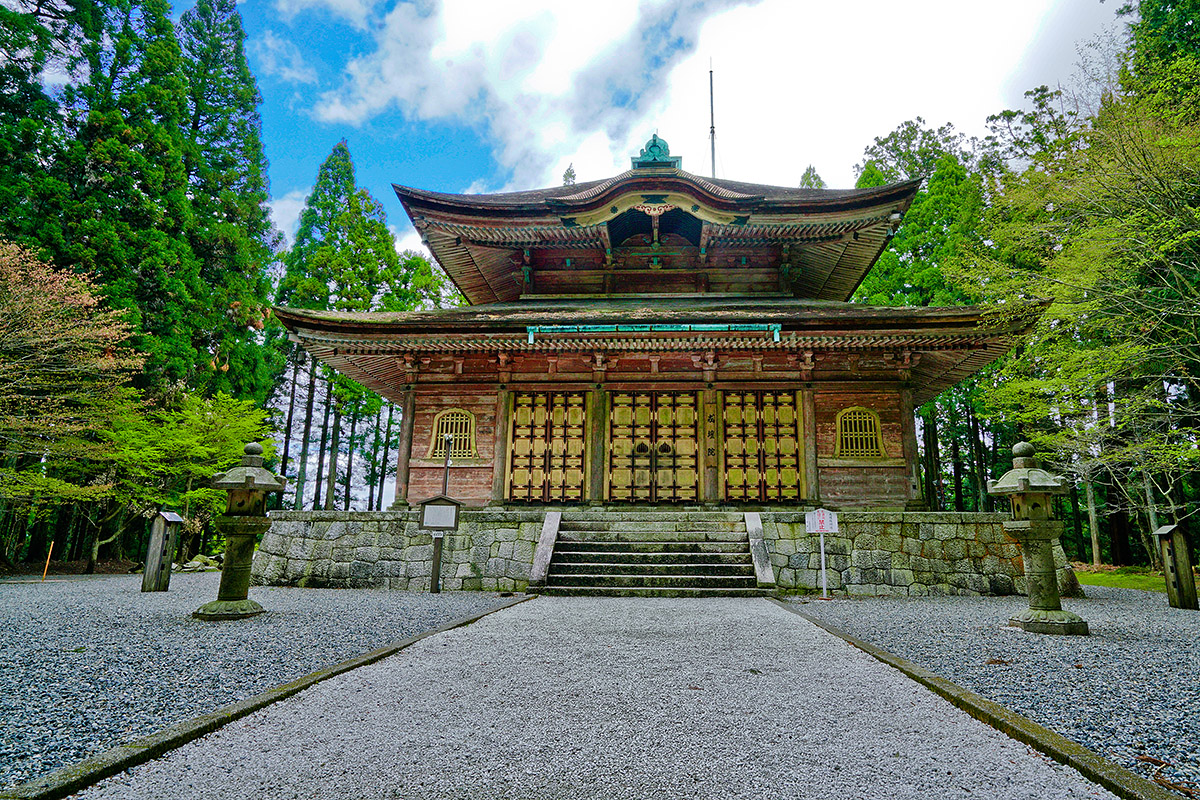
(1130, 689)
(613, 698)
(88, 664)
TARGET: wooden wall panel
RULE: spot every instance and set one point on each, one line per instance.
(862, 484)
(470, 479)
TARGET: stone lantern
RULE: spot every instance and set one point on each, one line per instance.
(1030, 490)
(245, 517)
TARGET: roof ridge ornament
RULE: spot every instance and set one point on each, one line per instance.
(656, 153)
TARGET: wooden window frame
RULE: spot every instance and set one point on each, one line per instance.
(437, 444)
(877, 429)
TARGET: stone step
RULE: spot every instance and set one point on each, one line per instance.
(656, 581)
(592, 545)
(632, 534)
(559, 569)
(598, 556)
(669, 524)
(626, 591)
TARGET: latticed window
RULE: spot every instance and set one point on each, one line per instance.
(456, 427)
(858, 434)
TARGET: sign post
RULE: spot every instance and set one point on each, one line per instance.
(438, 515)
(822, 521)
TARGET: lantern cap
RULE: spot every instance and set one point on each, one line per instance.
(250, 473)
(1027, 476)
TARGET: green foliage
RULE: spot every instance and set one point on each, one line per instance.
(63, 363)
(166, 457)
(810, 179)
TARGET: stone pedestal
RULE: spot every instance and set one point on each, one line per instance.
(233, 595)
(1045, 613)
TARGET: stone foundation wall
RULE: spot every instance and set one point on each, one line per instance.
(875, 553)
(492, 551)
(904, 553)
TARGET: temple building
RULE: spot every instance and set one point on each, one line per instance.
(655, 376)
(659, 337)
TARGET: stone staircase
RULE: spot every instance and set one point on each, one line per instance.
(655, 552)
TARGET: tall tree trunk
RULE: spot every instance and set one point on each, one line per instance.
(321, 451)
(1118, 536)
(383, 464)
(331, 489)
(1077, 524)
(308, 413)
(956, 457)
(287, 428)
(933, 471)
(1093, 522)
(350, 457)
(977, 455)
(374, 471)
(1152, 518)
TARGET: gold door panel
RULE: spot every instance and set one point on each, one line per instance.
(761, 453)
(653, 447)
(547, 453)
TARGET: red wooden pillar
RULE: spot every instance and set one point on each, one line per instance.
(812, 477)
(908, 435)
(408, 402)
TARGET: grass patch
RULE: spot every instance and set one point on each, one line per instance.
(1147, 581)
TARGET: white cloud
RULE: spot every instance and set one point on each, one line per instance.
(285, 212)
(796, 83)
(282, 59)
(356, 12)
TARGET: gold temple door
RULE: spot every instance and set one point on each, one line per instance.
(547, 447)
(761, 454)
(653, 447)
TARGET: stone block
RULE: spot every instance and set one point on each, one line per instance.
(911, 546)
(342, 554)
(864, 541)
(801, 560)
(507, 585)
(978, 583)
(785, 547)
(900, 577)
(955, 549)
(778, 561)
(506, 549)
(786, 577)
(274, 570)
(943, 531)
(419, 552)
(808, 578)
(881, 559)
(862, 590)
(339, 571)
(523, 551)
(472, 584)
(918, 590)
(834, 579)
(362, 570)
(990, 565)
(976, 549)
(369, 554)
(901, 560)
(890, 542)
(862, 558)
(1001, 585)
(933, 549)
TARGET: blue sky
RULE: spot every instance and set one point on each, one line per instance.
(463, 95)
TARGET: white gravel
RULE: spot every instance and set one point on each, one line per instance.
(88, 664)
(1130, 691)
(612, 698)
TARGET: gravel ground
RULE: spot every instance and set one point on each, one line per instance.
(88, 664)
(1130, 690)
(613, 698)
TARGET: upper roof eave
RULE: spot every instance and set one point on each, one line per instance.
(722, 193)
(793, 314)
